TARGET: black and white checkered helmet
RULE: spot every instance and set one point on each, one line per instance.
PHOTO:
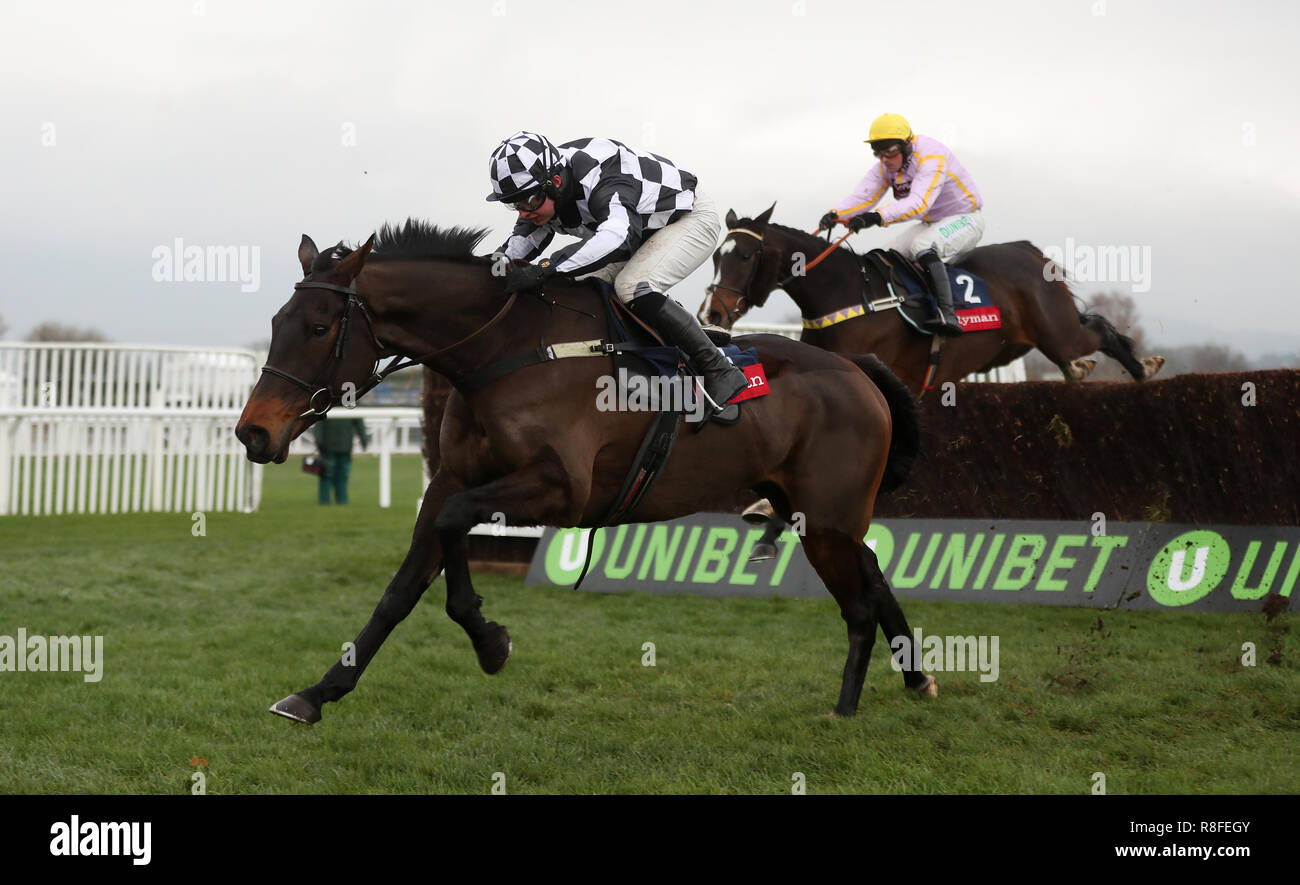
(520, 164)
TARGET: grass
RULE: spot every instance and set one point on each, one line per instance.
(201, 634)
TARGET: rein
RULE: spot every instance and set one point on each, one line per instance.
(335, 358)
(742, 302)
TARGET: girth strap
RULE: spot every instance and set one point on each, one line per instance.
(656, 448)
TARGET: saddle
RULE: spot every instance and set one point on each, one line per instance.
(910, 285)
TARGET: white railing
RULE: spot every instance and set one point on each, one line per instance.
(393, 431)
(110, 428)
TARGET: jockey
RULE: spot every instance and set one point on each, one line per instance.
(929, 184)
(643, 223)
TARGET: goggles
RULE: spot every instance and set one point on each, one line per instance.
(527, 204)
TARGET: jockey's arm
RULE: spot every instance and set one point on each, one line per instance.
(925, 190)
(870, 189)
(617, 236)
(526, 241)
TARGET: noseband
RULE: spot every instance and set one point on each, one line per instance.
(324, 392)
(332, 362)
(742, 305)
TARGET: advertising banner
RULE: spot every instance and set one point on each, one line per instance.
(1116, 565)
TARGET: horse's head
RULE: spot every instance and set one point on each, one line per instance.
(323, 348)
(744, 271)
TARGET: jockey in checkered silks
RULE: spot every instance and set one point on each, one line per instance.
(928, 184)
(643, 226)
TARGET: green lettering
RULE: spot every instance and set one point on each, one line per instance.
(989, 559)
(659, 552)
(1056, 560)
(691, 540)
(901, 578)
(1107, 543)
(789, 541)
(1291, 575)
(1239, 588)
(1036, 543)
(619, 572)
(956, 562)
(706, 574)
(738, 574)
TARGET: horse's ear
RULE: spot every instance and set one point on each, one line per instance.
(731, 218)
(351, 266)
(307, 253)
(766, 216)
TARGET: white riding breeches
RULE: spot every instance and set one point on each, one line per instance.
(953, 237)
(669, 255)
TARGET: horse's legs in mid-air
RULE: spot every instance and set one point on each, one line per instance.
(531, 495)
(422, 564)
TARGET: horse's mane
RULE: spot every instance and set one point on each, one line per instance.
(415, 240)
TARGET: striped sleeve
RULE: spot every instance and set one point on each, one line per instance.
(527, 241)
(926, 185)
(867, 194)
(618, 231)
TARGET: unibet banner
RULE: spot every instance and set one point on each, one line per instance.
(1120, 565)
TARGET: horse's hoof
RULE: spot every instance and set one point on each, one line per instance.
(1080, 369)
(929, 690)
(494, 650)
(759, 513)
(762, 551)
(837, 713)
(1151, 365)
(297, 708)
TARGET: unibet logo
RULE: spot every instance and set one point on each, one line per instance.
(1188, 568)
(568, 552)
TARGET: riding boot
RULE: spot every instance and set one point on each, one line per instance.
(722, 380)
(946, 322)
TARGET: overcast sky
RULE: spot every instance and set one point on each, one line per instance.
(1169, 129)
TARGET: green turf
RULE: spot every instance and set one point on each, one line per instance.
(201, 634)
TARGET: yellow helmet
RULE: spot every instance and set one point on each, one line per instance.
(889, 126)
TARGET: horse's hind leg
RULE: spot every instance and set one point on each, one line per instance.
(422, 564)
(835, 557)
(894, 624)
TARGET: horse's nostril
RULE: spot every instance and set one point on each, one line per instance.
(254, 438)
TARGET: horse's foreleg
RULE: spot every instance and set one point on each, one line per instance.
(534, 495)
(422, 564)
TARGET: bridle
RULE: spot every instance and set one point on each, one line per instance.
(741, 306)
(335, 358)
(742, 303)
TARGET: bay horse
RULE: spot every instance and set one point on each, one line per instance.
(1036, 305)
(532, 445)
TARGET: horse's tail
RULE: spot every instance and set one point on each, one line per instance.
(1113, 343)
(906, 442)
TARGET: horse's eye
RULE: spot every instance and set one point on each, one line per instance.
(319, 330)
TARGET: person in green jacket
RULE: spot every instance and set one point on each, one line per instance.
(334, 442)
